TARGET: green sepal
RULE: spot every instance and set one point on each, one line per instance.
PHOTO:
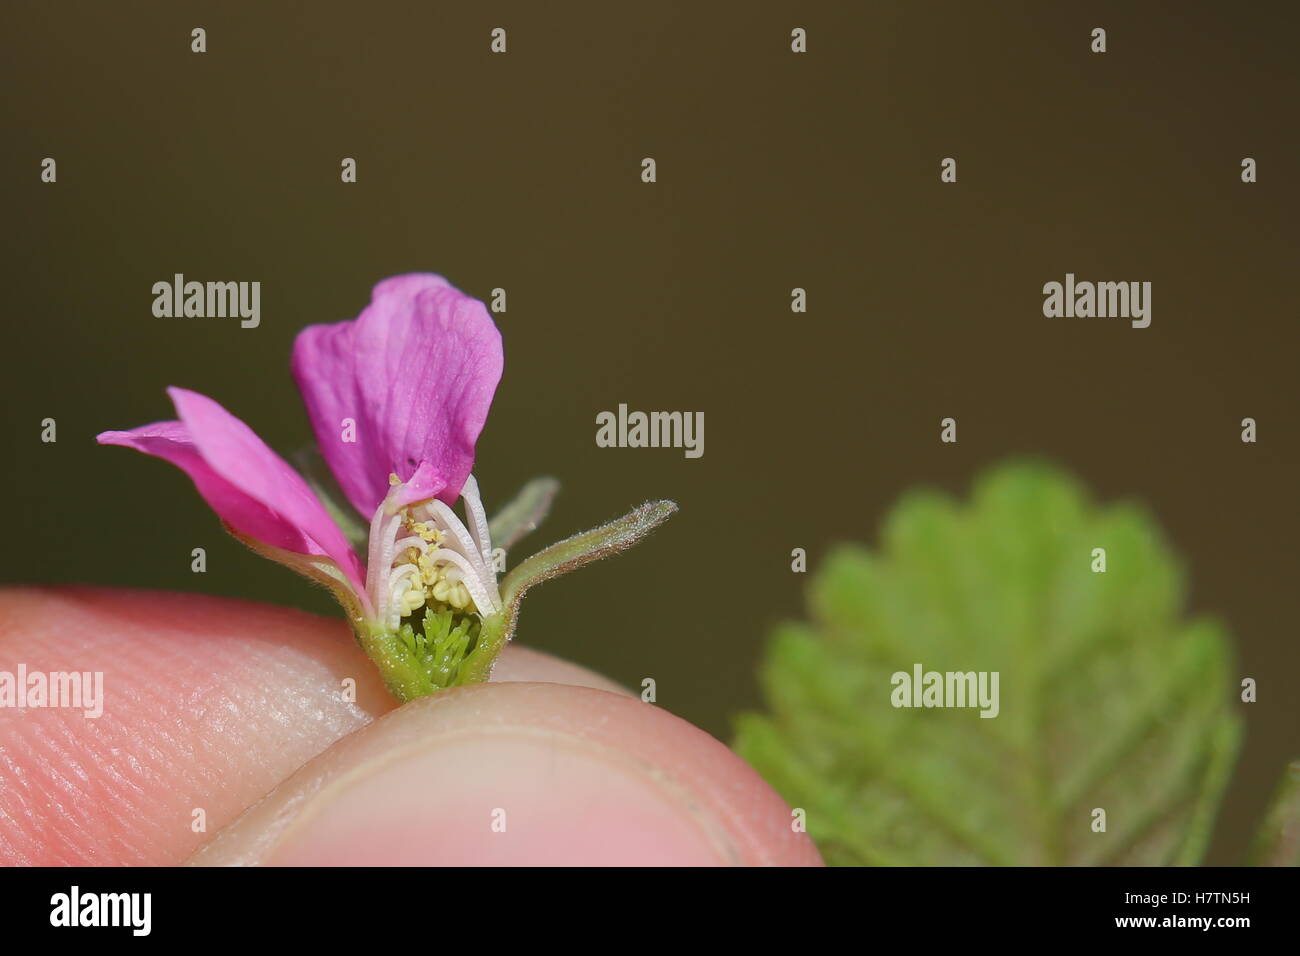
(559, 558)
(316, 568)
(523, 513)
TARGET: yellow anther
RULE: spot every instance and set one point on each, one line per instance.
(432, 581)
(427, 533)
(412, 601)
(394, 481)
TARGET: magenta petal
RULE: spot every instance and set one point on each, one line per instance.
(171, 442)
(248, 485)
(415, 372)
(234, 452)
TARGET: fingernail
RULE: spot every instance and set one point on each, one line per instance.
(507, 798)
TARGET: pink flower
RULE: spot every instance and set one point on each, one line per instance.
(397, 399)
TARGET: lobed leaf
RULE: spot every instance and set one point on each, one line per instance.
(1108, 698)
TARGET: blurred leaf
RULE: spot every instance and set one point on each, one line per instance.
(1278, 841)
(1108, 699)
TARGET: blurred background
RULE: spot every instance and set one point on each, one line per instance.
(775, 171)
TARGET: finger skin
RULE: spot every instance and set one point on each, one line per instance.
(519, 663)
(209, 704)
(520, 774)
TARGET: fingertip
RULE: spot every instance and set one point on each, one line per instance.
(518, 663)
(520, 774)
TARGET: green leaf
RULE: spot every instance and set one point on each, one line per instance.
(1107, 697)
(524, 512)
(1278, 841)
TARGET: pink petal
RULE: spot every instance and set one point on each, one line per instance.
(171, 442)
(248, 485)
(416, 372)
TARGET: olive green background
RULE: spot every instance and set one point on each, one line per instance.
(775, 170)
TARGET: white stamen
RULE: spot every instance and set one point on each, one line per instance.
(447, 519)
(462, 556)
(402, 571)
(398, 585)
(486, 602)
(411, 542)
(383, 537)
(478, 523)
